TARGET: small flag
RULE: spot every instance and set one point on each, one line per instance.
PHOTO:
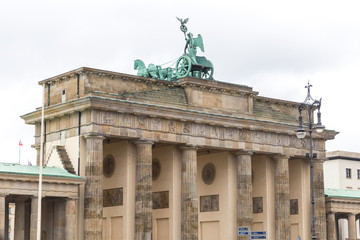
(20, 143)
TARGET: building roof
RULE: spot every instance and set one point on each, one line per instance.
(344, 193)
(172, 96)
(13, 168)
(343, 155)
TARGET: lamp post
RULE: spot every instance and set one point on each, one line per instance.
(310, 105)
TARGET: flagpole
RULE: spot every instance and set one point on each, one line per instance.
(38, 229)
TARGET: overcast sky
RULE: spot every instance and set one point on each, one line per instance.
(275, 47)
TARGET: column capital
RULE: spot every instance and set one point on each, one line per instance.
(280, 157)
(144, 141)
(36, 146)
(188, 147)
(243, 152)
(94, 135)
(71, 198)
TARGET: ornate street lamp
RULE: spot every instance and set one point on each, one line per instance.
(310, 105)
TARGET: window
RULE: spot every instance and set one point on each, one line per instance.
(348, 173)
(358, 171)
(63, 97)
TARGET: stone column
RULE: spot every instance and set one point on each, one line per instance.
(319, 199)
(2, 216)
(19, 219)
(7, 208)
(244, 211)
(33, 217)
(70, 219)
(37, 148)
(93, 202)
(282, 198)
(331, 226)
(351, 226)
(143, 190)
(189, 194)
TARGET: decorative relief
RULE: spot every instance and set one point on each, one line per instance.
(214, 132)
(108, 166)
(244, 135)
(200, 129)
(294, 207)
(228, 133)
(141, 122)
(186, 128)
(292, 142)
(209, 203)
(256, 136)
(208, 173)
(282, 140)
(269, 137)
(204, 130)
(156, 124)
(126, 120)
(160, 200)
(172, 126)
(113, 197)
(156, 169)
(108, 118)
(257, 204)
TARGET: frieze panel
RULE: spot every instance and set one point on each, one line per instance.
(292, 141)
(172, 126)
(156, 124)
(282, 140)
(113, 197)
(244, 135)
(209, 203)
(160, 200)
(186, 128)
(141, 122)
(203, 130)
(256, 136)
(125, 120)
(228, 133)
(200, 129)
(214, 132)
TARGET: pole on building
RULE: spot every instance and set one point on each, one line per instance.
(38, 227)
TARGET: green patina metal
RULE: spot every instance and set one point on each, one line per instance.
(187, 65)
(343, 193)
(12, 168)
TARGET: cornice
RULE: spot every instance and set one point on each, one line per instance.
(152, 110)
(275, 101)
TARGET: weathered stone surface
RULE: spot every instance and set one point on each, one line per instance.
(319, 198)
(70, 221)
(282, 198)
(143, 190)
(33, 218)
(93, 203)
(351, 226)
(19, 219)
(2, 216)
(189, 194)
(331, 226)
(244, 191)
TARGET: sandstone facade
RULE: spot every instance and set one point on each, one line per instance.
(191, 159)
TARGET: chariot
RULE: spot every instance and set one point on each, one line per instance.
(189, 64)
(202, 68)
